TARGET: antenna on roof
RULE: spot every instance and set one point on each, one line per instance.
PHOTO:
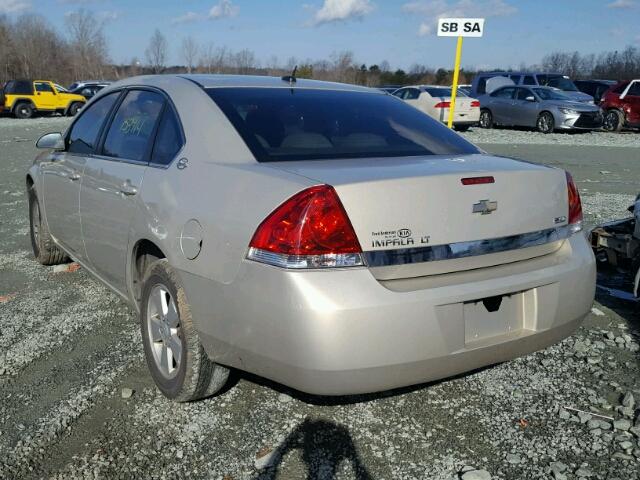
(291, 78)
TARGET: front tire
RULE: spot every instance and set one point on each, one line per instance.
(545, 123)
(44, 248)
(176, 359)
(486, 118)
(23, 110)
(613, 121)
(74, 109)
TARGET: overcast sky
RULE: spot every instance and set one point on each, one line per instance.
(399, 31)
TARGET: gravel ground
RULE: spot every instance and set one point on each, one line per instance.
(77, 401)
(510, 136)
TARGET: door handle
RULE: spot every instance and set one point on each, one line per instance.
(74, 176)
(128, 189)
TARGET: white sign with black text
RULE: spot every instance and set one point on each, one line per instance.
(460, 27)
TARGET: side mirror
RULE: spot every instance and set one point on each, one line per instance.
(530, 98)
(51, 141)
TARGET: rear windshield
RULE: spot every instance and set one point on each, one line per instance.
(284, 124)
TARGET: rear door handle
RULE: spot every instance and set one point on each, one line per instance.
(128, 189)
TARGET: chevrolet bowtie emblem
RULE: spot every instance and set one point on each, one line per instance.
(485, 207)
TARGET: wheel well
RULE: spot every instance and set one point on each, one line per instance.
(29, 182)
(22, 100)
(144, 254)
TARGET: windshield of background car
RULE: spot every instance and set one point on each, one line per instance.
(288, 124)
(548, 94)
(558, 81)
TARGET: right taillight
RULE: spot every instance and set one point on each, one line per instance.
(309, 230)
(575, 205)
(442, 105)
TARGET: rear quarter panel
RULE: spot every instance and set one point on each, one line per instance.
(223, 188)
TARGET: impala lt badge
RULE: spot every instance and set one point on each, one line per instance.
(484, 207)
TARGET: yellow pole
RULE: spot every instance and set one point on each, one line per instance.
(454, 88)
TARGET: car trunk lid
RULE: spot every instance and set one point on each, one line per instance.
(414, 216)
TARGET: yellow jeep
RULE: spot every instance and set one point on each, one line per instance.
(23, 98)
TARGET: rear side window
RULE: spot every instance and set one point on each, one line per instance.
(83, 136)
(482, 85)
(634, 89)
(528, 80)
(168, 140)
(523, 93)
(19, 87)
(131, 131)
(515, 78)
(285, 124)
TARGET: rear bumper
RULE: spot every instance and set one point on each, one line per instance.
(344, 332)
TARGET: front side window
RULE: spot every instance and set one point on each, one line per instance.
(130, 133)
(523, 93)
(43, 87)
(168, 140)
(83, 136)
(284, 124)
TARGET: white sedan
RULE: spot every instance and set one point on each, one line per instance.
(435, 101)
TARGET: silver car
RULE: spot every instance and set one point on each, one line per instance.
(544, 108)
(329, 237)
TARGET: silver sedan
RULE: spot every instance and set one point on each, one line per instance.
(329, 237)
(544, 108)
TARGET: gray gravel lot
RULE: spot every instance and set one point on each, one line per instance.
(70, 351)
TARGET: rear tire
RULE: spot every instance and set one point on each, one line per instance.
(486, 118)
(44, 248)
(613, 121)
(545, 123)
(74, 109)
(176, 359)
(23, 110)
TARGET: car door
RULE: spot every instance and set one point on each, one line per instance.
(501, 100)
(63, 172)
(45, 96)
(112, 180)
(524, 112)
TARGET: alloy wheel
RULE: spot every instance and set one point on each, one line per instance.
(163, 328)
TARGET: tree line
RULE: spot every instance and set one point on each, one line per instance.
(30, 47)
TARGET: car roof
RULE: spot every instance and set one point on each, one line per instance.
(258, 81)
(499, 72)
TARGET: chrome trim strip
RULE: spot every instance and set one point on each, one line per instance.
(402, 256)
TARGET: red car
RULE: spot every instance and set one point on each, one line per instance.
(621, 106)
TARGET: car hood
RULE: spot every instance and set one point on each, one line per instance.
(572, 104)
(72, 96)
(578, 96)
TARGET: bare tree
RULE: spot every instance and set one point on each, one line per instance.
(245, 60)
(88, 44)
(190, 51)
(156, 52)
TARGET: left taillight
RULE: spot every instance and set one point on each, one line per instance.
(575, 205)
(309, 230)
(442, 105)
(475, 103)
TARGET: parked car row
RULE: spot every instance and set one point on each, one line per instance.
(545, 101)
(26, 98)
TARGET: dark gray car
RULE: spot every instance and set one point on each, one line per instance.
(544, 108)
